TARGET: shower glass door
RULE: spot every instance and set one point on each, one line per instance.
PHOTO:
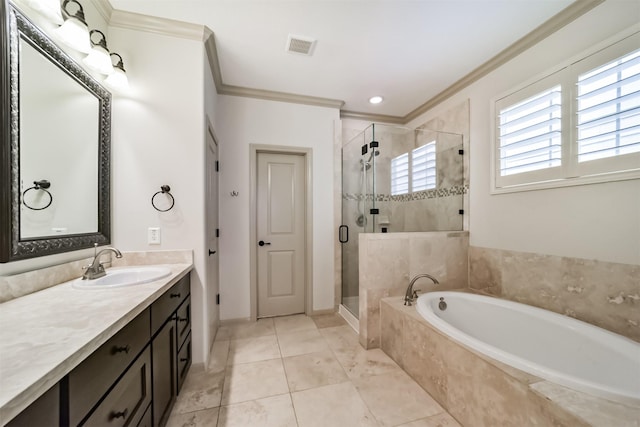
(358, 198)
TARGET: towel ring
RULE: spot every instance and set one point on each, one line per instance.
(164, 189)
(38, 185)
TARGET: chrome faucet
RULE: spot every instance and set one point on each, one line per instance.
(96, 269)
(410, 295)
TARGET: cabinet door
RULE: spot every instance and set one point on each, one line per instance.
(164, 372)
(43, 412)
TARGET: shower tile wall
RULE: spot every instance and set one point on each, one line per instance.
(602, 293)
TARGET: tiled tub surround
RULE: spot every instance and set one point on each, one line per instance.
(388, 261)
(479, 391)
(602, 293)
(46, 334)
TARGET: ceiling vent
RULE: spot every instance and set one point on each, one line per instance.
(300, 45)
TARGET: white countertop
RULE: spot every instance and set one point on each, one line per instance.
(46, 334)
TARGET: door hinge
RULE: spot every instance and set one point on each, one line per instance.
(217, 166)
(217, 299)
(461, 211)
(461, 152)
(217, 232)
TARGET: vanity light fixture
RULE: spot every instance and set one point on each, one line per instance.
(74, 32)
(118, 79)
(376, 99)
(50, 9)
(99, 59)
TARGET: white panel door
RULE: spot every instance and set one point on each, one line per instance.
(281, 234)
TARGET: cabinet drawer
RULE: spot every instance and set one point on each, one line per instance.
(167, 304)
(89, 381)
(184, 361)
(126, 403)
(184, 321)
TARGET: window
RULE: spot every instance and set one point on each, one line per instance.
(530, 133)
(577, 125)
(609, 110)
(420, 176)
(400, 174)
(423, 167)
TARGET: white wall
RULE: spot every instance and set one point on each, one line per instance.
(599, 221)
(245, 121)
(158, 139)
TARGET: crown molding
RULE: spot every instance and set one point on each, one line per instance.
(345, 114)
(152, 24)
(118, 18)
(555, 23)
(269, 95)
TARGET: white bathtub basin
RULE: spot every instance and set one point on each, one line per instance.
(125, 276)
(557, 348)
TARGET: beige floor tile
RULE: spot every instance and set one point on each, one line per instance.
(328, 320)
(358, 362)
(250, 381)
(295, 323)
(253, 350)
(440, 420)
(237, 331)
(394, 398)
(201, 390)
(218, 356)
(276, 411)
(206, 418)
(303, 342)
(340, 337)
(313, 370)
(333, 405)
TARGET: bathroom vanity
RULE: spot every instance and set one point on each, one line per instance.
(96, 357)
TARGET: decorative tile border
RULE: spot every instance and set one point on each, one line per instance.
(456, 190)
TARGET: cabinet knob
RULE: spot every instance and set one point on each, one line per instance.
(186, 319)
(184, 359)
(174, 295)
(121, 349)
(120, 414)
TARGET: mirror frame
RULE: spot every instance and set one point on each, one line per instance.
(13, 26)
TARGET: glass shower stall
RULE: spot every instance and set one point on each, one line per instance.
(396, 179)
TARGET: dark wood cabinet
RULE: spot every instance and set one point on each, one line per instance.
(126, 403)
(171, 347)
(91, 380)
(43, 412)
(164, 372)
(133, 379)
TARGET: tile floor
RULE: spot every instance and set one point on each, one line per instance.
(301, 371)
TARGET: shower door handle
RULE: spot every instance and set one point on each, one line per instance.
(343, 230)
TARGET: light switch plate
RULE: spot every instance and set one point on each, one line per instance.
(153, 236)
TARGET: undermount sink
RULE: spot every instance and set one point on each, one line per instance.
(124, 276)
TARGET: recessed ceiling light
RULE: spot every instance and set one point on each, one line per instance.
(376, 99)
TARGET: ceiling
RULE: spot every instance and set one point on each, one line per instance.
(405, 51)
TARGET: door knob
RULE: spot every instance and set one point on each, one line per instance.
(262, 243)
(211, 252)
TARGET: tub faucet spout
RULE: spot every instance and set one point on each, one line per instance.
(411, 294)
